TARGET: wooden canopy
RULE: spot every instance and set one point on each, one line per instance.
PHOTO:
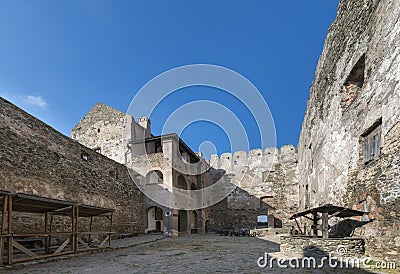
(72, 240)
(327, 212)
(86, 211)
(338, 211)
(35, 204)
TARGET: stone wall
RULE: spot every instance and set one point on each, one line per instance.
(295, 247)
(266, 183)
(356, 86)
(102, 129)
(36, 159)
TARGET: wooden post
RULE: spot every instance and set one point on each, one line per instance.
(90, 229)
(3, 227)
(50, 229)
(315, 224)
(325, 226)
(9, 232)
(74, 235)
(46, 230)
(109, 235)
(299, 227)
(76, 227)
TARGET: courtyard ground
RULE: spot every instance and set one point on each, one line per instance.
(187, 254)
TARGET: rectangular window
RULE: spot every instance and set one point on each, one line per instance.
(84, 156)
(372, 142)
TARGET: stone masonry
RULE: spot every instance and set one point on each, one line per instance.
(349, 148)
(36, 159)
(266, 183)
(101, 129)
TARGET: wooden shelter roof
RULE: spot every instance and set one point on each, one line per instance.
(338, 211)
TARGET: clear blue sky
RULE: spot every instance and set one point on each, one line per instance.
(59, 58)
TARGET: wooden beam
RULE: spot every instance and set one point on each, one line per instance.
(3, 227)
(90, 228)
(76, 227)
(298, 225)
(325, 226)
(46, 230)
(109, 235)
(61, 247)
(9, 231)
(75, 214)
(50, 229)
(335, 214)
(105, 241)
(83, 242)
(305, 216)
(315, 224)
(23, 249)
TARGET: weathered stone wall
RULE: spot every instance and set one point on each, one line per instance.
(356, 84)
(36, 159)
(266, 183)
(102, 129)
(295, 247)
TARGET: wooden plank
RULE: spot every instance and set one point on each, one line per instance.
(41, 257)
(82, 242)
(23, 249)
(61, 247)
(105, 241)
(41, 234)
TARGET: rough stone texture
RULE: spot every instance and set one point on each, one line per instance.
(266, 184)
(318, 247)
(266, 180)
(102, 129)
(341, 109)
(36, 159)
(111, 130)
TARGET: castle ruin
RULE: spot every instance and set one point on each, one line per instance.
(348, 152)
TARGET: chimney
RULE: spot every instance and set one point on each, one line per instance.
(145, 123)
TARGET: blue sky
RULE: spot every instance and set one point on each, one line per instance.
(59, 58)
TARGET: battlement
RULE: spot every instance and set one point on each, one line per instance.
(255, 157)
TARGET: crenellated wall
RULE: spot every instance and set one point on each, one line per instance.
(266, 181)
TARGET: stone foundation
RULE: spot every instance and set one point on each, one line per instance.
(318, 247)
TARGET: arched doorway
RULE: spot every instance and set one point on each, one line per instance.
(154, 177)
(182, 184)
(182, 221)
(154, 220)
(193, 220)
